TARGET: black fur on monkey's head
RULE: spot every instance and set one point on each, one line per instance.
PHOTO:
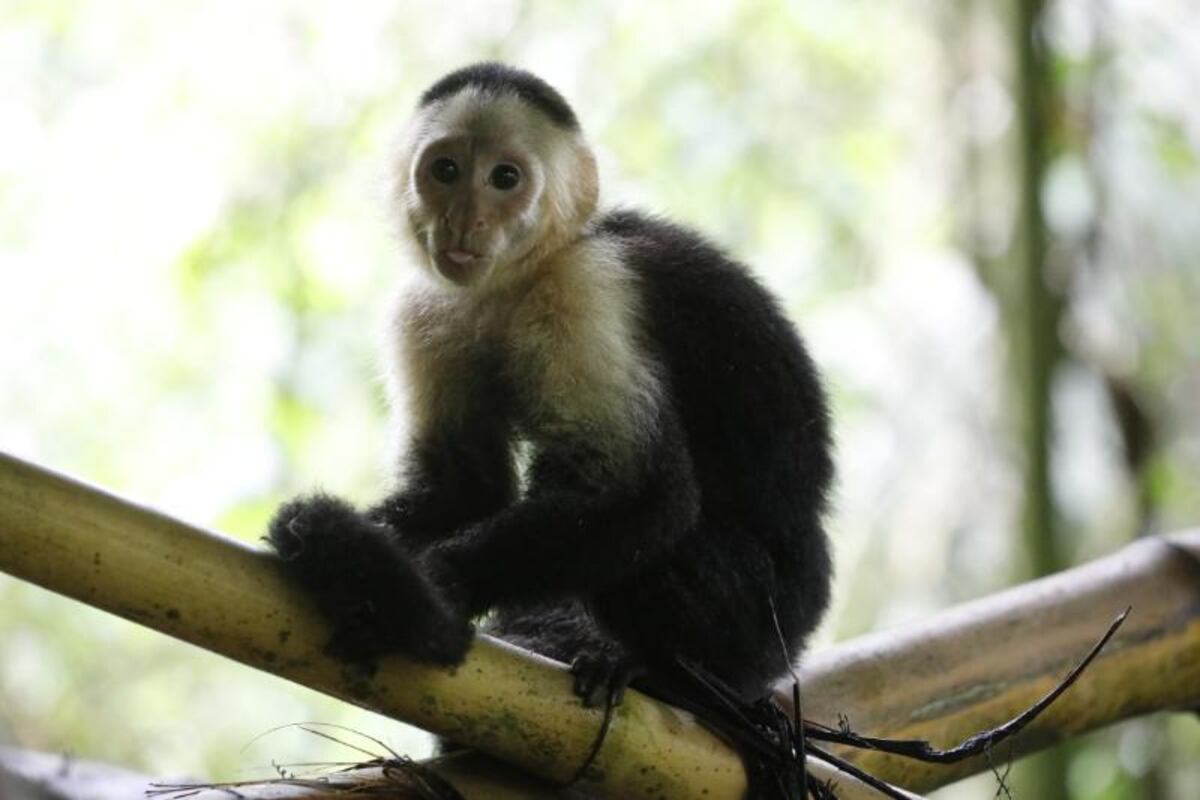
(497, 78)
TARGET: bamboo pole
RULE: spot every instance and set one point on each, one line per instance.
(965, 669)
(221, 595)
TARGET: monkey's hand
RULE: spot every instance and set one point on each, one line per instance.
(366, 584)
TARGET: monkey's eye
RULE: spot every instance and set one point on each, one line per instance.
(444, 170)
(504, 177)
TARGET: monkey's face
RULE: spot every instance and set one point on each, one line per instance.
(474, 204)
(487, 187)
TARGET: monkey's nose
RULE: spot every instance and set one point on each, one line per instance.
(460, 224)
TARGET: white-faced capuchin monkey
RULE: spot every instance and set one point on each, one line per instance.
(670, 510)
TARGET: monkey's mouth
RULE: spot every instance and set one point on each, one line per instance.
(460, 256)
(459, 266)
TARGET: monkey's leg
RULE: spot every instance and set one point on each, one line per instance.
(566, 632)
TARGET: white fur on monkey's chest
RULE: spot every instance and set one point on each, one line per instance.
(569, 340)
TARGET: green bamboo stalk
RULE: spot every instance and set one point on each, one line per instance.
(221, 595)
(1040, 351)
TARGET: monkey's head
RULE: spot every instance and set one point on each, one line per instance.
(494, 175)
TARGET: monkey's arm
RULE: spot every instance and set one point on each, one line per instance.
(451, 480)
(364, 571)
(577, 529)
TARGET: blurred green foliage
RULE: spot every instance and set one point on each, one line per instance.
(197, 264)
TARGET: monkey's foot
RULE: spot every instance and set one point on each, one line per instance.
(602, 675)
(366, 584)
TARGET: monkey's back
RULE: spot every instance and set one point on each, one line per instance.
(756, 427)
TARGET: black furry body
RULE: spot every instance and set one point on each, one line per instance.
(691, 551)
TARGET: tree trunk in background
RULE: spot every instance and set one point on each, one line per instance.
(1037, 351)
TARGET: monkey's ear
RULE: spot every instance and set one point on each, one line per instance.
(365, 584)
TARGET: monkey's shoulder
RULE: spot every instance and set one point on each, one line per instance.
(650, 243)
(678, 268)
